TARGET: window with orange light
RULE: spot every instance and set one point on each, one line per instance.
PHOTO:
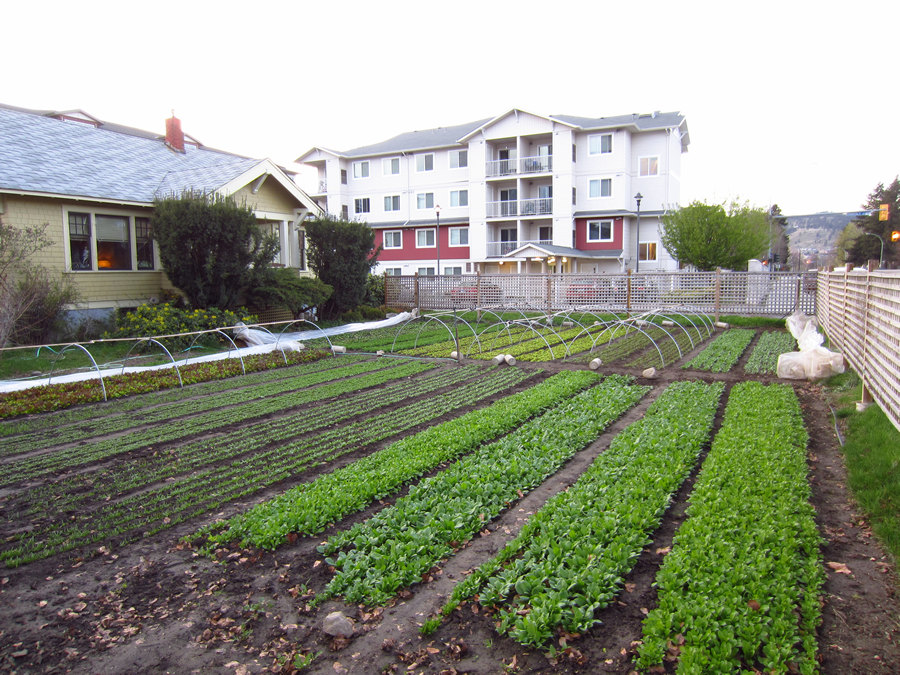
(113, 242)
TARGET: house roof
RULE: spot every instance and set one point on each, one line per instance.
(442, 137)
(531, 249)
(42, 153)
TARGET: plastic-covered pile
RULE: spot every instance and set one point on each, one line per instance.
(813, 361)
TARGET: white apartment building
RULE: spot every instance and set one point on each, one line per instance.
(517, 193)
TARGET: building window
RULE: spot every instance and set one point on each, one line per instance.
(393, 271)
(649, 166)
(343, 176)
(361, 205)
(544, 234)
(600, 230)
(459, 197)
(453, 271)
(345, 212)
(425, 239)
(600, 187)
(391, 166)
(425, 200)
(459, 236)
(360, 169)
(647, 251)
(109, 242)
(574, 152)
(425, 162)
(392, 203)
(426, 271)
(143, 244)
(393, 239)
(600, 144)
(574, 196)
(459, 159)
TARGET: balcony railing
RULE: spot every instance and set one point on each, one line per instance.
(527, 165)
(497, 249)
(323, 187)
(522, 207)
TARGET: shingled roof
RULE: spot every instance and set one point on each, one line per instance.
(40, 154)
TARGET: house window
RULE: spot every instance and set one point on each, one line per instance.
(425, 239)
(649, 166)
(393, 239)
(647, 251)
(459, 197)
(600, 230)
(425, 200)
(80, 241)
(393, 271)
(426, 271)
(345, 212)
(391, 166)
(425, 162)
(343, 176)
(459, 159)
(362, 205)
(392, 203)
(360, 169)
(459, 236)
(109, 242)
(453, 271)
(143, 244)
(600, 144)
(600, 187)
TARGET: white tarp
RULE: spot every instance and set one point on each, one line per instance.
(263, 342)
(813, 361)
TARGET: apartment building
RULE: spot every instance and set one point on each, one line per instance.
(517, 193)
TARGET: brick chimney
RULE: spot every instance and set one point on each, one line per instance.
(174, 134)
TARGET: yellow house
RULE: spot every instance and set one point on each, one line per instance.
(94, 183)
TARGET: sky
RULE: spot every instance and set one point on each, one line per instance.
(787, 102)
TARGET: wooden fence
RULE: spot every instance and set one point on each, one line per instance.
(763, 293)
(860, 312)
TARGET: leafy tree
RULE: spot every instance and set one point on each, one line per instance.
(867, 248)
(846, 240)
(284, 288)
(211, 248)
(342, 254)
(710, 236)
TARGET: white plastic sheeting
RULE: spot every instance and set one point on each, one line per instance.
(261, 342)
(813, 361)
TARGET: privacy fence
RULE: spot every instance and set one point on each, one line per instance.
(774, 294)
(860, 312)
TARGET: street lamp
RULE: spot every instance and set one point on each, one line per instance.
(637, 233)
(881, 257)
(437, 238)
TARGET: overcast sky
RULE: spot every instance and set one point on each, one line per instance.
(787, 102)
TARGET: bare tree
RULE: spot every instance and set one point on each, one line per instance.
(17, 245)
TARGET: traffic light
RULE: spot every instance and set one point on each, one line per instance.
(895, 235)
(883, 212)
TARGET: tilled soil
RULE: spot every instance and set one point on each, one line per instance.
(157, 606)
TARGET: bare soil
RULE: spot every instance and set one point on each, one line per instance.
(157, 606)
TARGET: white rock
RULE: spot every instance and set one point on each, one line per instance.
(650, 374)
(595, 364)
(336, 624)
(454, 355)
(380, 352)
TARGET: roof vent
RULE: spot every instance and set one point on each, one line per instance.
(174, 134)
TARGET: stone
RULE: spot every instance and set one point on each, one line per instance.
(650, 374)
(336, 624)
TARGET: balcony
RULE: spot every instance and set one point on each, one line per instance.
(525, 165)
(323, 187)
(498, 249)
(522, 207)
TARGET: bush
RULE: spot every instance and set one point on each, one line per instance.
(363, 313)
(282, 287)
(155, 320)
(374, 291)
(48, 294)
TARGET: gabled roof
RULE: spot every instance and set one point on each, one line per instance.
(443, 137)
(532, 249)
(42, 154)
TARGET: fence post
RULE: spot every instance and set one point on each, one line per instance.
(718, 293)
(416, 292)
(628, 290)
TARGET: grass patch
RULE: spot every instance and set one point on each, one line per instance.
(753, 321)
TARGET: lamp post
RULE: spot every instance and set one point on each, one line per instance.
(880, 257)
(437, 238)
(637, 234)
